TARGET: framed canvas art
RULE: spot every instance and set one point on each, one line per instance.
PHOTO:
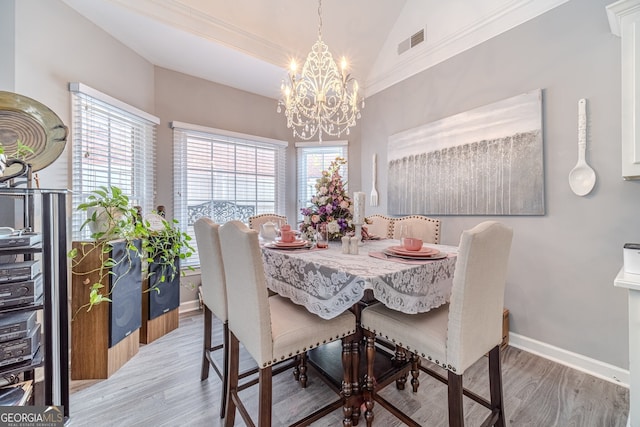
(485, 161)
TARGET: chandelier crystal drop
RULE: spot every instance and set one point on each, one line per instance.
(323, 99)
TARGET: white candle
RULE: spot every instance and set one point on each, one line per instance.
(358, 207)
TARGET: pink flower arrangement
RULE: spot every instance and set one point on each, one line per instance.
(331, 205)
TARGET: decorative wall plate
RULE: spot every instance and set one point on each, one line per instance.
(34, 125)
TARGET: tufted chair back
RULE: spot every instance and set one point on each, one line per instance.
(380, 226)
(257, 220)
(425, 228)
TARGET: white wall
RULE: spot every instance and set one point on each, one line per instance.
(54, 46)
(560, 286)
(7, 45)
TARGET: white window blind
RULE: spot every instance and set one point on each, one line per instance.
(225, 175)
(113, 145)
(312, 159)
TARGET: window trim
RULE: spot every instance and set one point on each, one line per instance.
(315, 144)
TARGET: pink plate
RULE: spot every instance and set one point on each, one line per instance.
(424, 252)
(294, 244)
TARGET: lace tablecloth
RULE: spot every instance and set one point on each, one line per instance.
(328, 282)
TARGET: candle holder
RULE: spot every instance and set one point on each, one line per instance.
(359, 234)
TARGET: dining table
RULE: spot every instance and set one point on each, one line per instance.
(328, 282)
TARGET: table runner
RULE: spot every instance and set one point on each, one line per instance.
(329, 282)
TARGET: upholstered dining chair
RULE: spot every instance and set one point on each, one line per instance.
(271, 328)
(458, 334)
(214, 301)
(256, 221)
(380, 225)
(214, 298)
(422, 227)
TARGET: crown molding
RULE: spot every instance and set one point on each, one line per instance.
(616, 11)
(180, 16)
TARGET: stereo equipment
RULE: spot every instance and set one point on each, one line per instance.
(167, 295)
(22, 349)
(17, 271)
(16, 325)
(20, 293)
(19, 240)
(125, 309)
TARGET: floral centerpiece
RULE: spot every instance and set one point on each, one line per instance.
(331, 205)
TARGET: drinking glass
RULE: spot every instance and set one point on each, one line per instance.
(322, 236)
(405, 232)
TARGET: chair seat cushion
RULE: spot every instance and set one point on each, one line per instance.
(424, 334)
(296, 330)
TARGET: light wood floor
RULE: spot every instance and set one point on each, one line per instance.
(161, 387)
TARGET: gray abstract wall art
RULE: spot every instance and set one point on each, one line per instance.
(485, 161)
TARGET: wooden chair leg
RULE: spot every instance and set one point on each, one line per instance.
(233, 349)
(296, 369)
(204, 373)
(495, 385)
(225, 370)
(369, 386)
(415, 372)
(400, 359)
(347, 410)
(265, 392)
(456, 414)
(302, 376)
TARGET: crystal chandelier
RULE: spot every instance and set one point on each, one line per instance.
(324, 98)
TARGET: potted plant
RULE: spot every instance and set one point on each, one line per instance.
(165, 246)
(111, 217)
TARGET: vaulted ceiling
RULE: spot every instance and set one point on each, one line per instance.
(247, 44)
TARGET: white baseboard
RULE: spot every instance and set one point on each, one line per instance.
(188, 306)
(577, 361)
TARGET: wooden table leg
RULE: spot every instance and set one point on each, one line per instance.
(356, 390)
(371, 355)
(347, 366)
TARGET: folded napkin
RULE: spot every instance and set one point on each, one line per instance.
(382, 255)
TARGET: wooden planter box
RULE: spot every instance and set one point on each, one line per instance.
(160, 310)
(101, 342)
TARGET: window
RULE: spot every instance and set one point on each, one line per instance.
(313, 158)
(225, 175)
(113, 145)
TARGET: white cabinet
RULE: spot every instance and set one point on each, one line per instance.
(624, 19)
(632, 283)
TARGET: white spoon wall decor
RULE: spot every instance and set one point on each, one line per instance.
(582, 177)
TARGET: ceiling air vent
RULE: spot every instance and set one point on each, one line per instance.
(411, 42)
